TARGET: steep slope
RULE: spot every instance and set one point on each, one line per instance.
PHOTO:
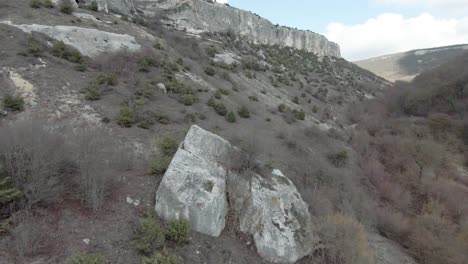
(109, 119)
(406, 65)
(414, 144)
(199, 16)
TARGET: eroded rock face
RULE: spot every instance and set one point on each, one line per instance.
(88, 41)
(278, 219)
(196, 186)
(198, 16)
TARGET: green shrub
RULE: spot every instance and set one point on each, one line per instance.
(163, 119)
(81, 67)
(150, 236)
(253, 98)
(94, 6)
(34, 46)
(338, 159)
(178, 231)
(299, 115)
(86, 259)
(211, 102)
(35, 4)
(75, 56)
(93, 95)
(66, 7)
(220, 109)
(110, 79)
(180, 61)
(147, 63)
(188, 99)
(158, 46)
(210, 71)
(8, 194)
(218, 94)
(145, 124)
(125, 118)
(159, 258)
(231, 117)
(13, 103)
(244, 112)
(314, 109)
(168, 146)
(211, 51)
(59, 49)
(48, 4)
(295, 100)
(224, 91)
(281, 108)
(159, 164)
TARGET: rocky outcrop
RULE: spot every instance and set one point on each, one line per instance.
(88, 41)
(196, 187)
(201, 16)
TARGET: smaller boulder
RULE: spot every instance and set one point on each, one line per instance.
(162, 87)
(278, 219)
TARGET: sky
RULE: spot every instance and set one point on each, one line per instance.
(370, 28)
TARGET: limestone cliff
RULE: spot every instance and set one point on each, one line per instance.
(201, 16)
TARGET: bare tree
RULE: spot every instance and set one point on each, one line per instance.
(28, 238)
(92, 157)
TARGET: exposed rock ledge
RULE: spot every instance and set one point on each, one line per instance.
(195, 187)
(88, 41)
(201, 16)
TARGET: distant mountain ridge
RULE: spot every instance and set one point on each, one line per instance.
(405, 66)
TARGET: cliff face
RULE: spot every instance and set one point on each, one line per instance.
(200, 16)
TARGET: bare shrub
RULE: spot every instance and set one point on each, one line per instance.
(124, 62)
(243, 158)
(92, 154)
(392, 223)
(32, 158)
(124, 157)
(434, 240)
(345, 241)
(28, 238)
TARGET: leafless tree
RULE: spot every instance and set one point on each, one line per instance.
(28, 238)
(92, 157)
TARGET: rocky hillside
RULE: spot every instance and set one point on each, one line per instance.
(106, 154)
(407, 65)
(197, 16)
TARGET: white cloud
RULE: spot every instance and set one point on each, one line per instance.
(222, 1)
(391, 33)
(438, 7)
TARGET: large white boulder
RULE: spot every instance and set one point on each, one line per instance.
(278, 219)
(88, 41)
(194, 185)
